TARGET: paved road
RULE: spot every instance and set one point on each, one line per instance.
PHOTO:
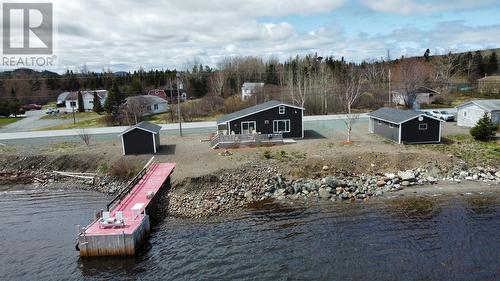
(33, 121)
(167, 129)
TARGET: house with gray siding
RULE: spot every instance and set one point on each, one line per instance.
(470, 112)
(405, 126)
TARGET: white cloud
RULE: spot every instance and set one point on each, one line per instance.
(124, 35)
(424, 7)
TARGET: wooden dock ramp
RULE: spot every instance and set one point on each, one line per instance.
(125, 226)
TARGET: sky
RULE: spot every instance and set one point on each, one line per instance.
(127, 34)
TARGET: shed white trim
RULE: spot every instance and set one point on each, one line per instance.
(132, 128)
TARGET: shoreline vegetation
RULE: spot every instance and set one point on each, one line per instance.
(309, 171)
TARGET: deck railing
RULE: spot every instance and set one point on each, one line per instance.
(245, 139)
(117, 199)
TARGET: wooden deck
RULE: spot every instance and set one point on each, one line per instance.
(225, 141)
(126, 239)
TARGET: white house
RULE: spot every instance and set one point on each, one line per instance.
(61, 99)
(248, 89)
(148, 104)
(470, 112)
(423, 95)
(88, 99)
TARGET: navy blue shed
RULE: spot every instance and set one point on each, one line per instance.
(405, 126)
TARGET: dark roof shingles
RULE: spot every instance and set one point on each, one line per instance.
(394, 115)
(250, 110)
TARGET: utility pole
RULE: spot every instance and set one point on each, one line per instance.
(179, 103)
(390, 101)
(73, 109)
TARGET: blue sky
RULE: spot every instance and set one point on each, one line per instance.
(128, 34)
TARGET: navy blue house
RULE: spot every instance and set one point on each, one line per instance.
(272, 117)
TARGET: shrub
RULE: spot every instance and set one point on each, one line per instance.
(267, 154)
(103, 168)
(122, 169)
(484, 130)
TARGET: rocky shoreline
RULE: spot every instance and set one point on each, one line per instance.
(229, 191)
(234, 189)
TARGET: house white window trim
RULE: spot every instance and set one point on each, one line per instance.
(249, 122)
(422, 126)
(276, 126)
(281, 109)
(155, 106)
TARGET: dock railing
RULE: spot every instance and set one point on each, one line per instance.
(117, 199)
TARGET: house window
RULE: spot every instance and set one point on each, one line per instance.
(282, 109)
(72, 103)
(148, 108)
(281, 126)
(155, 106)
(465, 113)
(422, 127)
(91, 102)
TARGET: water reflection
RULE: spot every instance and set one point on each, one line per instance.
(417, 208)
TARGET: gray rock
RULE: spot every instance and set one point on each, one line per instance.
(408, 175)
(390, 176)
(405, 183)
(380, 183)
(324, 193)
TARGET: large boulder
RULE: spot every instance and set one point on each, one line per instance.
(407, 175)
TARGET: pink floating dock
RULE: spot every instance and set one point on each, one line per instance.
(126, 237)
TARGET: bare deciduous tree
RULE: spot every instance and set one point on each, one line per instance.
(84, 135)
(445, 68)
(350, 94)
(410, 75)
(135, 108)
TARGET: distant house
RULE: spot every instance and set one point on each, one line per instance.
(71, 100)
(272, 117)
(405, 126)
(249, 89)
(171, 95)
(470, 112)
(143, 138)
(489, 84)
(423, 95)
(158, 92)
(147, 104)
(61, 99)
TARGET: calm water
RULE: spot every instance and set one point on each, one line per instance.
(443, 238)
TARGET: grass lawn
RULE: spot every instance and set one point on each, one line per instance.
(91, 122)
(4, 121)
(470, 150)
(164, 118)
(78, 115)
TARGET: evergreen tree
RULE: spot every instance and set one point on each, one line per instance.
(4, 108)
(114, 100)
(485, 129)
(81, 106)
(478, 63)
(492, 66)
(97, 104)
(427, 54)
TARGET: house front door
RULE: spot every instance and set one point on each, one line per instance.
(248, 127)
